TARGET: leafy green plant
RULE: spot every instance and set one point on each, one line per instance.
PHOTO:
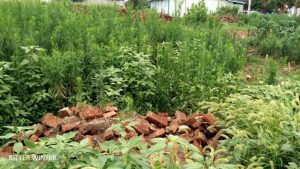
(272, 69)
(197, 14)
(263, 121)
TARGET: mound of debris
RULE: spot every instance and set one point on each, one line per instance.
(93, 123)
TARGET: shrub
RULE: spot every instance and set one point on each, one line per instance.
(197, 14)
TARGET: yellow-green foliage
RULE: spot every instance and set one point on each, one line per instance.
(264, 122)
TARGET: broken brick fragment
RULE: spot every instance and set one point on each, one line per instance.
(110, 108)
(191, 119)
(163, 114)
(153, 118)
(50, 120)
(40, 129)
(153, 127)
(181, 117)
(90, 139)
(51, 132)
(186, 137)
(110, 114)
(64, 112)
(79, 136)
(159, 133)
(209, 118)
(142, 127)
(196, 124)
(34, 137)
(213, 143)
(184, 129)
(95, 126)
(174, 125)
(131, 135)
(70, 126)
(108, 135)
(89, 113)
(6, 151)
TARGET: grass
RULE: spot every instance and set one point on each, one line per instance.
(57, 54)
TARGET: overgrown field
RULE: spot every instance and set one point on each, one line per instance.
(242, 68)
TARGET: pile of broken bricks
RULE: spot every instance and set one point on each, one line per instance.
(93, 123)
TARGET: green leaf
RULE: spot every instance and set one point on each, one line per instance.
(84, 142)
(29, 143)
(7, 136)
(69, 135)
(18, 147)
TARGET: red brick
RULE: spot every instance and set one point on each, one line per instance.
(90, 113)
(159, 133)
(213, 143)
(79, 136)
(110, 114)
(110, 108)
(152, 117)
(64, 112)
(6, 151)
(108, 135)
(196, 143)
(191, 119)
(73, 109)
(70, 126)
(163, 114)
(153, 127)
(186, 137)
(200, 136)
(142, 127)
(181, 117)
(95, 126)
(184, 129)
(50, 132)
(145, 139)
(34, 137)
(50, 120)
(196, 124)
(196, 133)
(40, 129)
(174, 126)
(91, 140)
(130, 135)
(218, 136)
(209, 118)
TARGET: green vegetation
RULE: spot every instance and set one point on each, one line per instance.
(57, 54)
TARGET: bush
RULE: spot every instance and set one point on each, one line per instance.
(228, 10)
(197, 14)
